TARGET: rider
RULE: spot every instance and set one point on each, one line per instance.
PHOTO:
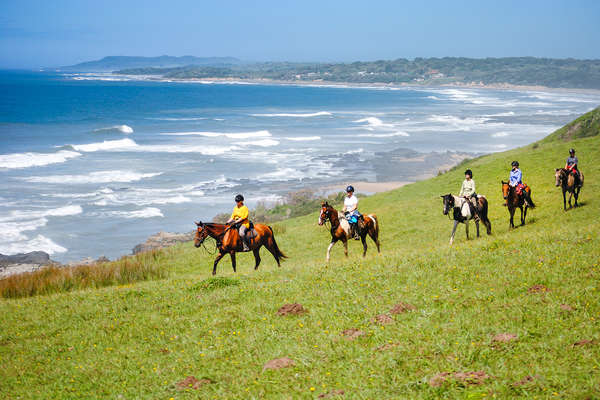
(351, 211)
(240, 216)
(516, 181)
(571, 165)
(467, 190)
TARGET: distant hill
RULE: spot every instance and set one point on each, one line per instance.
(585, 126)
(114, 63)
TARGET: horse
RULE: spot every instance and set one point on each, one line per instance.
(514, 201)
(340, 228)
(567, 181)
(461, 213)
(229, 241)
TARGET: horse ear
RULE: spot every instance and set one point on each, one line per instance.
(557, 169)
(198, 223)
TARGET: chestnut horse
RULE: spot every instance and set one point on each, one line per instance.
(340, 228)
(229, 241)
(567, 181)
(514, 201)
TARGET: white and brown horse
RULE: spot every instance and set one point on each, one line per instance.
(340, 228)
(566, 181)
(462, 213)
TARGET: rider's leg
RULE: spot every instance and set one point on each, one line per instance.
(243, 230)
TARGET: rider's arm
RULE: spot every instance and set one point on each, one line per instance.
(462, 189)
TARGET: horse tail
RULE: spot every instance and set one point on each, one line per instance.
(528, 197)
(484, 215)
(276, 252)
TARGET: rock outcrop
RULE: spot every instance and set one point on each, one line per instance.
(24, 262)
(163, 239)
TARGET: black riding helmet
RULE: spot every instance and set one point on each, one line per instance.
(239, 198)
(469, 172)
(350, 189)
(515, 164)
(571, 151)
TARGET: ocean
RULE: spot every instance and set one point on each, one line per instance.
(92, 165)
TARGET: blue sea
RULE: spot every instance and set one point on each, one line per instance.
(91, 165)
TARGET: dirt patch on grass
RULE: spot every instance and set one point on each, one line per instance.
(525, 381)
(402, 308)
(504, 337)
(464, 378)
(291, 309)
(567, 307)
(279, 363)
(333, 393)
(191, 382)
(352, 333)
(382, 319)
(538, 289)
(164, 351)
(584, 342)
(387, 346)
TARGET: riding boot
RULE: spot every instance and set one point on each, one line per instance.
(245, 244)
(357, 232)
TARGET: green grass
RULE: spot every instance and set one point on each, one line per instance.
(585, 126)
(139, 340)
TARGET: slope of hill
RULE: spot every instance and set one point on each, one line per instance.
(507, 315)
(585, 126)
(113, 63)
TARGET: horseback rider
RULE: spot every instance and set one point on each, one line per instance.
(467, 190)
(239, 216)
(351, 212)
(516, 181)
(571, 166)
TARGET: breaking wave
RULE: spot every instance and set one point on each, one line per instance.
(93, 177)
(25, 160)
(119, 128)
(296, 115)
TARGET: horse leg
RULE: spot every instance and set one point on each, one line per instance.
(375, 238)
(346, 248)
(219, 256)
(271, 247)
(523, 215)
(511, 211)
(453, 232)
(577, 196)
(570, 197)
(363, 239)
(467, 228)
(564, 200)
(329, 249)
(477, 226)
(232, 254)
(256, 258)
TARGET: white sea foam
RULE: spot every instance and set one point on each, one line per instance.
(236, 135)
(148, 212)
(25, 160)
(433, 97)
(178, 119)
(21, 215)
(296, 115)
(373, 123)
(451, 122)
(120, 128)
(382, 135)
(303, 138)
(502, 114)
(26, 245)
(93, 177)
(261, 143)
(122, 144)
(500, 134)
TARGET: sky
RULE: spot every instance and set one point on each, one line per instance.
(55, 33)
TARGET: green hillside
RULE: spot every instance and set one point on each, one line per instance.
(538, 282)
(585, 126)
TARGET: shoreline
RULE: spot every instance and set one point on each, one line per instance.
(358, 85)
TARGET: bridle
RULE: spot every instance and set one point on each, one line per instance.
(325, 216)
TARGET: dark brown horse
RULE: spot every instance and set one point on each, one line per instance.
(229, 241)
(566, 181)
(340, 228)
(515, 200)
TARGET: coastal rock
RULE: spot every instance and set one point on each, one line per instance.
(35, 257)
(163, 239)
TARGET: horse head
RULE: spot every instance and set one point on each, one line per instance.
(201, 234)
(448, 200)
(558, 175)
(505, 190)
(325, 212)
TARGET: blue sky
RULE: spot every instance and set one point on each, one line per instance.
(54, 33)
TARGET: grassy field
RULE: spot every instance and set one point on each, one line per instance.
(139, 340)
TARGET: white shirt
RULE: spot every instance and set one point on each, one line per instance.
(350, 202)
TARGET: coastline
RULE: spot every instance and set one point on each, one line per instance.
(358, 85)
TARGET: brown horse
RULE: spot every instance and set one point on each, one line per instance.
(229, 241)
(567, 181)
(515, 200)
(340, 228)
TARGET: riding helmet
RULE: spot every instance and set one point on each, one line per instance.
(571, 151)
(239, 197)
(515, 164)
(350, 189)
(469, 172)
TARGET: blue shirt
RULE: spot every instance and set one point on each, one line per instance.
(515, 177)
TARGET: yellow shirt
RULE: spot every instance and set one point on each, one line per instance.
(241, 212)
